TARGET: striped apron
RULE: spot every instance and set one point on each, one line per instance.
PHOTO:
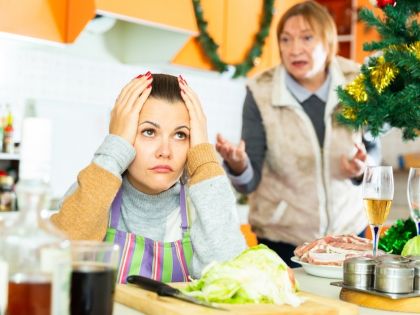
(162, 261)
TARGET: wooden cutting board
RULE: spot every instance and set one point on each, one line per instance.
(149, 303)
(380, 302)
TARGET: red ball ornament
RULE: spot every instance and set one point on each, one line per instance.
(382, 3)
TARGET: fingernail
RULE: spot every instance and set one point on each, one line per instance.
(185, 81)
(148, 73)
(149, 86)
(150, 78)
(139, 76)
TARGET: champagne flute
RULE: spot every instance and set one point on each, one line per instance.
(378, 192)
(413, 195)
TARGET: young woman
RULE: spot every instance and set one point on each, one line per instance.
(301, 165)
(155, 186)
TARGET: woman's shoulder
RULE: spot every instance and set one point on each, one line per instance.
(262, 77)
(347, 66)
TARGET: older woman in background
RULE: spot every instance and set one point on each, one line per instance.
(301, 165)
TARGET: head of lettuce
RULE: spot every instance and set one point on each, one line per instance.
(412, 247)
(257, 275)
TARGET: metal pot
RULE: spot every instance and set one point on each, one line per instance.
(417, 276)
(394, 277)
(358, 272)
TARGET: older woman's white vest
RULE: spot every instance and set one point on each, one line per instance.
(303, 194)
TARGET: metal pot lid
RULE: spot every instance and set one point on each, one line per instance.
(391, 258)
(394, 270)
(414, 258)
(359, 265)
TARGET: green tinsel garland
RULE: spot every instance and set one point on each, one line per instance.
(210, 47)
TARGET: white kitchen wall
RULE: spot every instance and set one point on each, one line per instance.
(78, 91)
(76, 86)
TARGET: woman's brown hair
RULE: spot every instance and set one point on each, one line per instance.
(320, 21)
(166, 87)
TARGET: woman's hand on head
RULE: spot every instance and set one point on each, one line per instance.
(354, 167)
(198, 120)
(125, 114)
(234, 156)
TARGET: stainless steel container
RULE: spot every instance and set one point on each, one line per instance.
(417, 276)
(413, 258)
(393, 259)
(358, 272)
(394, 278)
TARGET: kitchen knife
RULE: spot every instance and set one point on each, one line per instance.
(163, 289)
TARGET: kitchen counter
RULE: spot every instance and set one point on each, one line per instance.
(316, 285)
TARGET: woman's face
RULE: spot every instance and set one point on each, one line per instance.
(161, 144)
(302, 50)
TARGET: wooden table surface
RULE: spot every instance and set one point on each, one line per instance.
(308, 283)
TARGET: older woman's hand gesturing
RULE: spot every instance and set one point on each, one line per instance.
(235, 156)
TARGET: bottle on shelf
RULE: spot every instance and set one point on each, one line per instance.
(2, 123)
(8, 138)
(33, 253)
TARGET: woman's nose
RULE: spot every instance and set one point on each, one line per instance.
(296, 46)
(164, 149)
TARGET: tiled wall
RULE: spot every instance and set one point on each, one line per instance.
(78, 94)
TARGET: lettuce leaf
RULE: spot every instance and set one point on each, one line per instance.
(412, 247)
(257, 275)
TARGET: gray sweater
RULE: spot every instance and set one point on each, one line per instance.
(215, 232)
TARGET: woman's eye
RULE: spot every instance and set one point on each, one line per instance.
(148, 132)
(181, 135)
(284, 40)
(308, 38)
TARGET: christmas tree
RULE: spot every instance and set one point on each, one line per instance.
(387, 90)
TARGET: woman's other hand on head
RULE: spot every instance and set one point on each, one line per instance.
(234, 156)
(198, 120)
(355, 166)
(125, 114)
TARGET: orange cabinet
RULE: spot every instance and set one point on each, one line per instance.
(54, 20)
(176, 15)
(233, 25)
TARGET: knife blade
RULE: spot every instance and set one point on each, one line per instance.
(163, 289)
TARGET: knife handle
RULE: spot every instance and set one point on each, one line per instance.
(158, 287)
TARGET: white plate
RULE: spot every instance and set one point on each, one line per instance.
(333, 272)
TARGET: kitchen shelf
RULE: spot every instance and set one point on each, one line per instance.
(345, 38)
(9, 156)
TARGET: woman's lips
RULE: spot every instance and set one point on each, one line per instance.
(162, 169)
(299, 64)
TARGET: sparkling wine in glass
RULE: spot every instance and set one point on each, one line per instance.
(378, 193)
(413, 195)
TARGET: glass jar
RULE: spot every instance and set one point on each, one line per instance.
(34, 255)
(7, 194)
